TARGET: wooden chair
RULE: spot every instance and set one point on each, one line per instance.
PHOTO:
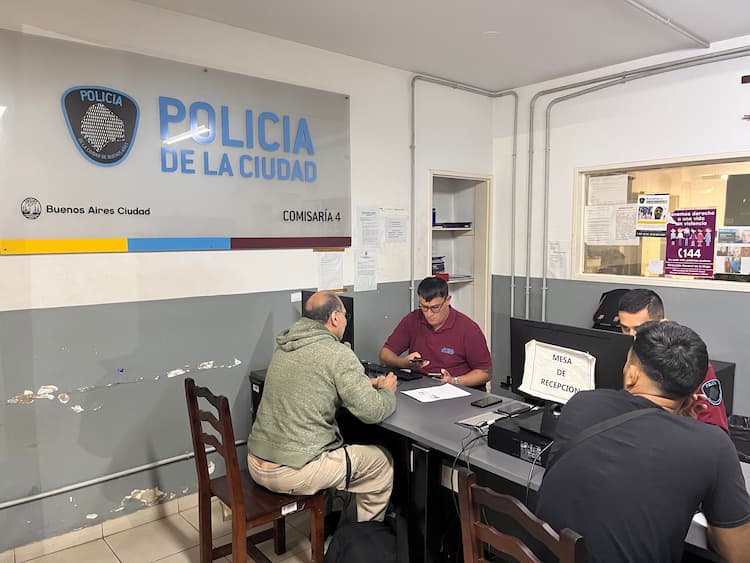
(251, 504)
(567, 546)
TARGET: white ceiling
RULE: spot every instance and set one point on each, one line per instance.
(491, 44)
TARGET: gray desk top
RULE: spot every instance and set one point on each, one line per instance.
(434, 425)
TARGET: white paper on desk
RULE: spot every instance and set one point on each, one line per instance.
(556, 373)
(437, 393)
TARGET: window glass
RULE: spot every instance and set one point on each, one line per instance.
(619, 202)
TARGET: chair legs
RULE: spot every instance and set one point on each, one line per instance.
(204, 528)
(279, 536)
(316, 532)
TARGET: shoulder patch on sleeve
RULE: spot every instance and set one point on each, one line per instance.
(712, 390)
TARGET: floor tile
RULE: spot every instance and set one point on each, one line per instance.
(154, 540)
(219, 527)
(142, 516)
(93, 552)
(187, 502)
(191, 555)
(300, 521)
(58, 543)
(7, 557)
(296, 544)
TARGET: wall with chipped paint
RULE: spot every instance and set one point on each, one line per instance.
(108, 329)
(123, 366)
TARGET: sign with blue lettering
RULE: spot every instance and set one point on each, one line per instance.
(146, 154)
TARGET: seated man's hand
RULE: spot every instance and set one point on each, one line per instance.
(414, 360)
(445, 376)
(694, 405)
(386, 382)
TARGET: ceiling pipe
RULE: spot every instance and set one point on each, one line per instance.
(412, 148)
(669, 23)
(643, 73)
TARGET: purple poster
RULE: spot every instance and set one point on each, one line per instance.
(691, 234)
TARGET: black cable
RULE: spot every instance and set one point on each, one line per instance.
(533, 463)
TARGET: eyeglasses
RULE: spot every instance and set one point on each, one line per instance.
(432, 308)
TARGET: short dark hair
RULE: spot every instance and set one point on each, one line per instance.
(323, 312)
(432, 287)
(672, 355)
(636, 300)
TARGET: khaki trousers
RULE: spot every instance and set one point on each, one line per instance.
(371, 477)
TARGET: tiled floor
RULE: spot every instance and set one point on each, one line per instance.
(174, 539)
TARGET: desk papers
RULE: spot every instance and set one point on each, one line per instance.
(430, 394)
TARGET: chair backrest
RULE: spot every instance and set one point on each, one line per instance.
(567, 546)
(223, 442)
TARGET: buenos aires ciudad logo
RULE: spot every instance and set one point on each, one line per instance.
(102, 122)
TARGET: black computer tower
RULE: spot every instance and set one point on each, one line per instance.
(257, 381)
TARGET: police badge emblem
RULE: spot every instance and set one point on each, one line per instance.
(102, 122)
(712, 390)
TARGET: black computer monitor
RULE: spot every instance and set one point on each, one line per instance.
(348, 304)
(609, 348)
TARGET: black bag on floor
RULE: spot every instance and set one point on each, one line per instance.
(370, 542)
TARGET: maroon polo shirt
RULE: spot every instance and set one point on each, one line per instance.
(716, 413)
(458, 346)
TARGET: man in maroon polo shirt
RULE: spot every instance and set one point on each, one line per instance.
(638, 306)
(440, 341)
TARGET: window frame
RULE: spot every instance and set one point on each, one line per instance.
(579, 186)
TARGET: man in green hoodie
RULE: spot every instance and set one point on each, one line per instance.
(295, 445)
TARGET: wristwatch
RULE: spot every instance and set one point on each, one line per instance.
(455, 381)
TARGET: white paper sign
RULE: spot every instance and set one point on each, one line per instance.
(604, 190)
(555, 373)
(610, 225)
(396, 229)
(365, 271)
(330, 270)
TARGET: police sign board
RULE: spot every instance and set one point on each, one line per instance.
(109, 151)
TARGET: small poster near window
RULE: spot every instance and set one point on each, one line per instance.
(691, 234)
(733, 250)
(652, 215)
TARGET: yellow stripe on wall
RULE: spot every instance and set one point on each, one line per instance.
(62, 246)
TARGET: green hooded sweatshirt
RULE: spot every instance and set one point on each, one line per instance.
(311, 374)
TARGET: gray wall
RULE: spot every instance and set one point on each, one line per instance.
(113, 361)
(720, 317)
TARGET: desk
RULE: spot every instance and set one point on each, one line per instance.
(432, 426)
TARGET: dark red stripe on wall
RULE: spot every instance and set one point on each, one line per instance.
(289, 242)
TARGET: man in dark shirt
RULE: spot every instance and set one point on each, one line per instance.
(441, 341)
(632, 490)
(640, 305)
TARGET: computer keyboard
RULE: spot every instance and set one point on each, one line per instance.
(375, 370)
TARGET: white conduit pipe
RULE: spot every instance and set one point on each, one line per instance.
(105, 478)
(669, 23)
(628, 74)
(412, 147)
(676, 65)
